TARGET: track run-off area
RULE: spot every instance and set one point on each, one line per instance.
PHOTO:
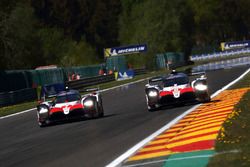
(98, 142)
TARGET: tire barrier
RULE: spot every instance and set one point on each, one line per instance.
(85, 82)
(19, 96)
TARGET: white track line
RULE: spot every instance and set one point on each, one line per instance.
(104, 90)
(118, 161)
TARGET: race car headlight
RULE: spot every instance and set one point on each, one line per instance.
(200, 87)
(43, 110)
(88, 103)
(152, 93)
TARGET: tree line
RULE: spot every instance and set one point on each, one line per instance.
(74, 32)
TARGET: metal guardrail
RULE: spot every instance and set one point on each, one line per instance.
(140, 71)
(85, 82)
(19, 96)
(222, 64)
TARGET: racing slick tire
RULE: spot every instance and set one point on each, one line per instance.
(205, 98)
(100, 112)
(152, 108)
(44, 123)
(100, 108)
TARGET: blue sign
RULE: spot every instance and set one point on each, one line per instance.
(117, 51)
(236, 45)
(129, 74)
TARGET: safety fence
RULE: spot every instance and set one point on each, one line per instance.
(27, 94)
(223, 54)
(22, 79)
(222, 64)
(170, 60)
(19, 96)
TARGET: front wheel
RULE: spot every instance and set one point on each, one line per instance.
(100, 111)
(152, 108)
(205, 98)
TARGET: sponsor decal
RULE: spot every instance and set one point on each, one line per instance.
(176, 91)
(66, 109)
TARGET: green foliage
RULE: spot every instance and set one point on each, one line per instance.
(157, 23)
(17, 38)
(74, 32)
(80, 53)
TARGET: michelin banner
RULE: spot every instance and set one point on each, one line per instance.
(235, 45)
(117, 51)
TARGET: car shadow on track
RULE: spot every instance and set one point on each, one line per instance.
(70, 121)
(180, 105)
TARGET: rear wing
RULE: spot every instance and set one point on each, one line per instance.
(50, 91)
(86, 90)
(197, 73)
(155, 80)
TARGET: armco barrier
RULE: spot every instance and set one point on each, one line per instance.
(85, 82)
(19, 96)
(140, 71)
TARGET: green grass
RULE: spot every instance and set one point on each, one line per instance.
(233, 142)
(17, 108)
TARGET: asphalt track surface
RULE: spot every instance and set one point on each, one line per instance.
(96, 142)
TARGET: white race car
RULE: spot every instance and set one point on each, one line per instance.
(70, 104)
(176, 88)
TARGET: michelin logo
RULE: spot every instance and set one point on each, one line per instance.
(125, 50)
(131, 50)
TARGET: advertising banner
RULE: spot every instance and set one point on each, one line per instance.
(129, 74)
(235, 45)
(117, 51)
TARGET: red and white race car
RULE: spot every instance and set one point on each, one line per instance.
(70, 104)
(175, 88)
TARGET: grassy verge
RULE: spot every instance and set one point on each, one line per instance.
(17, 108)
(233, 144)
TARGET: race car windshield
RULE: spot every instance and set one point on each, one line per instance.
(177, 80)
(67, 98)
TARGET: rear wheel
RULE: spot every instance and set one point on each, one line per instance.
(100, 108)
(100, 112)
